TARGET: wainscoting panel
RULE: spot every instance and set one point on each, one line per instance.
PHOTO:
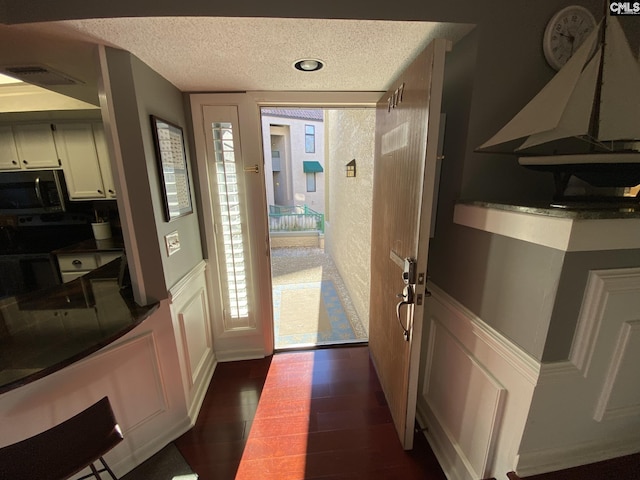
(476, 392)
(587, 409)
(469, 421)
(617, 399)
(192, 325)
(195, 334)
(146, 396)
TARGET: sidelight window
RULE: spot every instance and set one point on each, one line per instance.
(229, 228)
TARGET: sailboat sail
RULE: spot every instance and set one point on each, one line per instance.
(576, 117)
(544, 112)
(620, 105)
(564, 107)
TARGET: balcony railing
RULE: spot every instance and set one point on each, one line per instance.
(299, 218)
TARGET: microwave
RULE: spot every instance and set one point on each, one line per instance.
(32, 192)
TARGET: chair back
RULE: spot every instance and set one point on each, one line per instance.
(65, 449)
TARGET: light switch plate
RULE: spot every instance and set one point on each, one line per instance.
(172, 241)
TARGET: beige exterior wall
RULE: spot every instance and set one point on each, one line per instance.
(292, 151)
(351, 134)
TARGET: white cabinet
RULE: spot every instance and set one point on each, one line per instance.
(79, 157)
(35, 145)
(8, 151)
(85, 160)
(74, 265)
(104, 160)
(79, 148)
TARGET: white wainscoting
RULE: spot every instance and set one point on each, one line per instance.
(587, 409)
(476, 392)
(140, 375)
(192, 325)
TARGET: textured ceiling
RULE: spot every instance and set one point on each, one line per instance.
(235, 54)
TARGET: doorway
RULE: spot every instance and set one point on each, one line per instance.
(319, 212)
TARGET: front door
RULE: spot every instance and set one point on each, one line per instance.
(407, 130)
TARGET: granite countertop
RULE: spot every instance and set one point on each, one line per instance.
(91, 246)
(45, 331)
(577, 211)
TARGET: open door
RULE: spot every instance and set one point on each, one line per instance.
(407, 131)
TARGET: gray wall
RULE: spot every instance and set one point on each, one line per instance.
(137, 91)
(507, 283)
(575, 272)
(156, 96)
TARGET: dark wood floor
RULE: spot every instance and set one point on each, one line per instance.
(315, 414)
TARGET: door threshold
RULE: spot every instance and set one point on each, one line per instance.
(320, 346)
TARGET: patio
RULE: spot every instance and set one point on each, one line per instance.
(310, 301)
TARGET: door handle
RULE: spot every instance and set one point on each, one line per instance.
(38, 191)
(407, 299)
(254, 169)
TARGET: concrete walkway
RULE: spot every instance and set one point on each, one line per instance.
(301, 265)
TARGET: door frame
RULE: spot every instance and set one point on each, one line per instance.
(251, 342)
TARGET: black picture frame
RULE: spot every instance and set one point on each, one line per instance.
(173, 168)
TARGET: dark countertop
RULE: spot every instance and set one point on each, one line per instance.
(91, 246)
(45, 331)
(576, 211)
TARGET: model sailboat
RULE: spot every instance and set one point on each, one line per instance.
(586, 120)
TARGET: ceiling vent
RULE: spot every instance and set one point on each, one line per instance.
(41, 75)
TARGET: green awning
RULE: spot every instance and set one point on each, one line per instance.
(312, 167)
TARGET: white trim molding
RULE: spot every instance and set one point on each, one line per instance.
(622, 370)
(587, 409)
(555, 458)
(600, 285)
(189, 303)
(476, 392)
(561, 233)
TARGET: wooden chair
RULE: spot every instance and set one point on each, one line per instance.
(66, 449)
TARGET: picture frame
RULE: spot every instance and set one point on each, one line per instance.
(173, 168)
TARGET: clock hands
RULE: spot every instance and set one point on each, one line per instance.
(572, 40)
(570, 37)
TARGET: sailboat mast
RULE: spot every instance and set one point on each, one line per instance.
(594, 123)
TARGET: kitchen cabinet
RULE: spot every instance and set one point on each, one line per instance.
(85, 161)
(8, 150)
(104, 160)
(74, 265)
(35, 146)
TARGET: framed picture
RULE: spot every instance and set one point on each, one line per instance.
(172, 164)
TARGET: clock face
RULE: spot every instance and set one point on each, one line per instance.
(565, 32)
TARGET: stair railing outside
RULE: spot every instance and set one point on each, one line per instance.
(297, 218)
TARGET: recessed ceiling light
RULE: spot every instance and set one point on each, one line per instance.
(308, 65)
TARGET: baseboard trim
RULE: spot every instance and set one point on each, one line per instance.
(454, 468)
(236, 355)
(144, 452)
(199, 394)
(543, 461)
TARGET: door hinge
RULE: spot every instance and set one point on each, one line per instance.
(254, 169)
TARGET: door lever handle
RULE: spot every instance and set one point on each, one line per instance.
(407, 296)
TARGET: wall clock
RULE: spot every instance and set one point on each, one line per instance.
(565, 32)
